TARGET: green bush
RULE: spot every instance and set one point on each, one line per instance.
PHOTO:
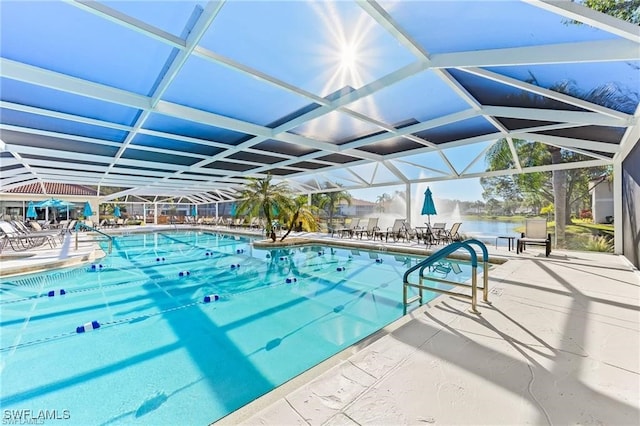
(600, 243)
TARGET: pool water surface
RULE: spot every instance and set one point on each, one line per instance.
(162, 355)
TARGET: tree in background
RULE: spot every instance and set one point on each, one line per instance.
(568, 190)
(493, 206)
(382, 201)
(627, 10)
(533, 201)
(608, 95)
(547, 210)
(478, 206)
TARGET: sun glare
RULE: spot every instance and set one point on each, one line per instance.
(348, 56)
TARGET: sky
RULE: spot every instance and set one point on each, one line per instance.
(459, 189)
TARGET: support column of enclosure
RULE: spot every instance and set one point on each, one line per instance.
(617, 207)
(408, 203)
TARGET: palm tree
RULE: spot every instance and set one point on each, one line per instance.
(303, 213)
(260, 195)
(329, 202)
(382, 201)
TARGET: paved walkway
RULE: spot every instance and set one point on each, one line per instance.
(560, 344)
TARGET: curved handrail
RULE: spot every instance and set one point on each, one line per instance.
(483, 247)
(485, 268)
(91, 228)
(442, 253)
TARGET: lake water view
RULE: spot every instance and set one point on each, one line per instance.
(470, 225)
(489, 227)
(469, 228)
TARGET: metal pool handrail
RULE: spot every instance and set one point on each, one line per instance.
(90, 228)
(440, 254)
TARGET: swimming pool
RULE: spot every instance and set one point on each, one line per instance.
(162, 355)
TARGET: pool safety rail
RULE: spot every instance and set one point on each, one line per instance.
(80, 225)
(439, 255)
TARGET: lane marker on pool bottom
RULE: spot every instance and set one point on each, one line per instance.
(93, 325)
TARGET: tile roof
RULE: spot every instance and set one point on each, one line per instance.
(54, 189)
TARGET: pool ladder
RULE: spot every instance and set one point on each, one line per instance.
(439, 255)
(90, 228)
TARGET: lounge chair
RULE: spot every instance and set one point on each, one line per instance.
(396, 231)
(236, 223)
(16, 240)
(438, 232)
(535, 233)
(451, 235)
(370, 230)
(71, 226)
(425, 234)
(34, 229)
(19, 240)
(409, 232)
(349, 230)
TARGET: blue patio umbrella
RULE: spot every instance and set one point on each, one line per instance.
(233, 209)
(116, 211)
(428, 207)
(87, 210)
(194, 210)
(56, 204)
(31, 211)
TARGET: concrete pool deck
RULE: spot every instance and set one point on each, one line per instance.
(560, 344)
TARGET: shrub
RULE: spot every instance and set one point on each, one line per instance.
(600, 243)
(547, 210)
(586, 214)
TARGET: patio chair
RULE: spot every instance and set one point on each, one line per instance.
(370, 230)
(396, 231)
(17, 242)
(425, 234)
(411, 233)
(451, 235)
(535, 233)
(438, 232)
(349, 230)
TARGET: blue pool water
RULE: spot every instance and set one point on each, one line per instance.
(162, 355)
